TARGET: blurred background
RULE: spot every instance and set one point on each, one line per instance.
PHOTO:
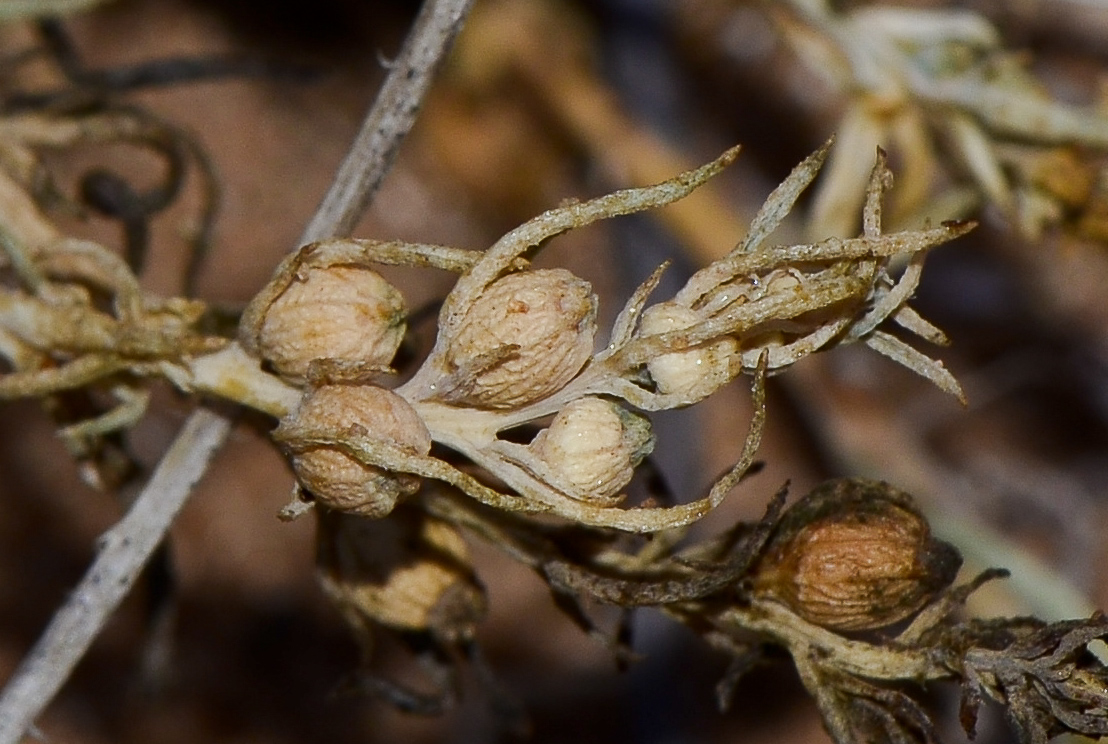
(542, 101)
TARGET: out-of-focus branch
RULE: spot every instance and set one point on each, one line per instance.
(14, 9)
(388, 121)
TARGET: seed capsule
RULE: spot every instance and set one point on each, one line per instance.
(333, 477)
(855, 555)
(343, 312)
(410, 572)
(592, 447)
(549, 315)
(693, 374)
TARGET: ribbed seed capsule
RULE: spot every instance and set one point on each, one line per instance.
(333, 477)
(347, 313)
(592, 447)
(548, 315)
(693, 374)
(855, 555)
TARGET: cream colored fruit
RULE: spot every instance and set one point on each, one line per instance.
(348, 313)
(547, 315)
(592, 447)
(693, 374)
(335, 478)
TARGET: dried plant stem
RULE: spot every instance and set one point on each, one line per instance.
(123, 551)
(392, 115)
(127, 546)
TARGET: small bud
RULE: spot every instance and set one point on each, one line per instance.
(347, 313)
(592, 447)
(337, 480)
(693, 374)
(410, 572)
(548, 315)
(855, 555)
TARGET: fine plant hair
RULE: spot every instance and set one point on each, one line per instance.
(402, 469)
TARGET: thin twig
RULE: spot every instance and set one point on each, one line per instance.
(123, 551)
(128, 545)
(390, 119)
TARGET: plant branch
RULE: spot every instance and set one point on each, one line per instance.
(123, 551)
(388, 121)
(128, 545)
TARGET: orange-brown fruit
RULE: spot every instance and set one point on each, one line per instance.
(855, 555)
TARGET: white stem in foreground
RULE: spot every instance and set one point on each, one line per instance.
(123, 551)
